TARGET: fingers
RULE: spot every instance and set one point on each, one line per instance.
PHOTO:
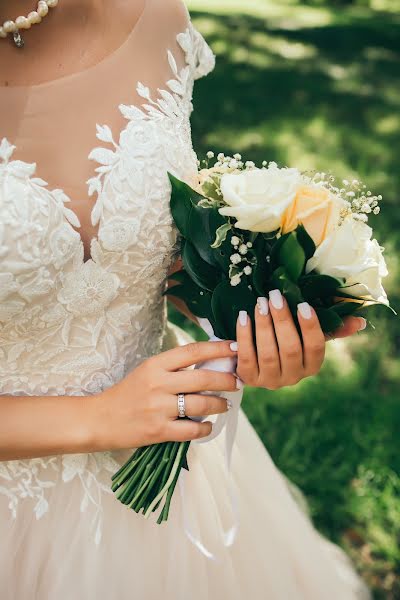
(313, 339)
(200, 380)
(289, 343)
(183, 430)
(197, 405)
(267, 348)
(350, 326)
(190, 354)
(247, 365)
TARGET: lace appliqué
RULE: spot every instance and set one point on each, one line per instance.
(69, 327)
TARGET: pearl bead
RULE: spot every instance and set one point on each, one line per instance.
(9, 26)
(42, 9)
(22, 23)
(34, 17)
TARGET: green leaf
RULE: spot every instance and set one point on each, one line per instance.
(319, 286)
(226, 302)
(344, 309)
(183, 198)
(288, 288)
(220, 234)
(275, 249)
(197, 299)
(306, 241)
(262, 269)
(292, 256)
(329, 320)
(201, 272)
(202, 225)
(178, 276)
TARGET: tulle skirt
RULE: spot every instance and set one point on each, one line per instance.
(277, 554)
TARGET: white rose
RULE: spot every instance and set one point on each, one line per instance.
(350, 253)
(259, 198)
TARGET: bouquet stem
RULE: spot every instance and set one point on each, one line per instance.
(149, 477)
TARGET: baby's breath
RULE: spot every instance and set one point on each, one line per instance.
(357, 201)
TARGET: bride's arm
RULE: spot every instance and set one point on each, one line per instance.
(33, 426)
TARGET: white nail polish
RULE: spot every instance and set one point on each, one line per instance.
(243, 317)
(239, 383)
(276, 298)
(229, 404)
(305, 310)
(233, 346)
(363, 323)
(262, 304)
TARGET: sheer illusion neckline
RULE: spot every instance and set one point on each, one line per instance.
(84, 72)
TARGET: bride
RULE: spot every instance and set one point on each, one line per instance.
(89, 367)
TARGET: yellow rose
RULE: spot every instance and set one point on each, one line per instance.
(317, 209)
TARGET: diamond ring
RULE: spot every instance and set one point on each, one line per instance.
(181, 405)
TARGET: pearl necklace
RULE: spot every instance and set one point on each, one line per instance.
(25, 22)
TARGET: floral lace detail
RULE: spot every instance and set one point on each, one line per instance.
(75, 327)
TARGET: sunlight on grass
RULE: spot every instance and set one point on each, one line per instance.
(288, 15)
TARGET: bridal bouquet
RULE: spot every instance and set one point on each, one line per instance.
(244, 231)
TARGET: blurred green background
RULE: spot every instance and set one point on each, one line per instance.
(316, 85)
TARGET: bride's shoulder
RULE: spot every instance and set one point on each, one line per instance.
(174, 11)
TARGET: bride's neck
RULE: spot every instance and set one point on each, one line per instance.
(71, 9)
(74, 35)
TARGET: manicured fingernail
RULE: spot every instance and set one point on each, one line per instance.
(233, 346)
(363, 323)
(243, 317)
(276, 298)
(262, 304)
(305, 310)
(228, 404)
(239, 383)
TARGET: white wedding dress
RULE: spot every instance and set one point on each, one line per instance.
(70, 326)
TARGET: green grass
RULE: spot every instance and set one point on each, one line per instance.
(317, 86)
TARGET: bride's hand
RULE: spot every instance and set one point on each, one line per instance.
(281, 357)
(141, 409)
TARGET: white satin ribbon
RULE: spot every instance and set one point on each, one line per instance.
(229, 421)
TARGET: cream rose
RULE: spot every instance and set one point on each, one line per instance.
(350, 253)
(317, 209)
(258, 198)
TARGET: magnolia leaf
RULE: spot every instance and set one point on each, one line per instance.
(319, 286)
(344, 309)
(197, 299)
(178, 276)
(275, 248)
(306, 241)
(292, 257)
(328, 319)
(288, 288)
(183, 198)
(201, 272)
(202, 226)
(226, 302)
(220, 235)
(261, 271)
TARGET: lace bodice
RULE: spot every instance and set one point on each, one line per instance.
(74, 327)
